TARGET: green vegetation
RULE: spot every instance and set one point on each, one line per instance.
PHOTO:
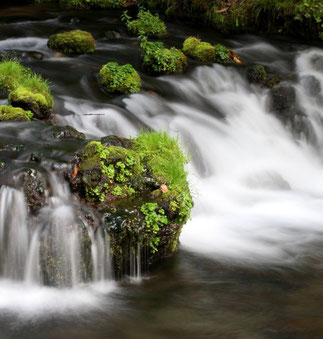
(152, 171)
(11, 75)
(160, 60)
(146, 24)
(155, 218)
(222, 55)
(257, 74)
(296, 17)
(87, 4)
(202, 51)
(117, 79)
(72, 43)
(9, 113)
(26, 89)
(109, 170)
(205, 52)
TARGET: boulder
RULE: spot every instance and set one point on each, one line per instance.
(72, 42)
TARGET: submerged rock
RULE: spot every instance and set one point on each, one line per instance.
(312, 85)
(111, 35)
(34, 188)
(119, 79)
(67, 132)
(72, 42)
(282, 97)
(283, 104)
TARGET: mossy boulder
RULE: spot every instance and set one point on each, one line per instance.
(26, 89)
(202, 51)
(205, 52)
(257, 74)
(141, 186)
(9, 113)
(119, 79)
(146, 24)
(72, 42)
(40, 103)
(160, 60)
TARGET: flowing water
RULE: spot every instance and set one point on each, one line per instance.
(250, 260)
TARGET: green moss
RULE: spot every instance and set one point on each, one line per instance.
(72, 42)
(106, 167)
(26, 89)
(257, 74)
(117, 79)
(202, 51)
(222, 55)
(9, 113)
(160, 60)
(146, 24)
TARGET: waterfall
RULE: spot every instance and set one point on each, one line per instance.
(53, 248)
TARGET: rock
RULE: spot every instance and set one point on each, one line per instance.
(72, 42)
(9, 113)
(257, 74)
(40, 104)
(282, 97)
(146, 24)
(119, 79)
(160, 60)
(67, 132)
(111, 35)
(113, 140)
(317, 62)
(311, 84)
(202, 51)
(34, 188)
(120, 177)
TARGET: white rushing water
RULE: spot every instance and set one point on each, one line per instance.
(46, 251)
(258, 189)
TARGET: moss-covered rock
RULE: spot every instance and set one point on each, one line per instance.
(41, 104)
(119, 79)
(26, 89)
(202, 51)
(257, 74)
(141, 186)
(205, 52)
(146, 24)
(160, 60)
(9, 113)
(72, 42)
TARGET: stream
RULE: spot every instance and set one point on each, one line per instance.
(250, 261)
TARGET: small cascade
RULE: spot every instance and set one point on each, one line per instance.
(56, 248)
(14, 235)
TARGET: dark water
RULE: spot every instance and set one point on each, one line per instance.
(190, 295)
